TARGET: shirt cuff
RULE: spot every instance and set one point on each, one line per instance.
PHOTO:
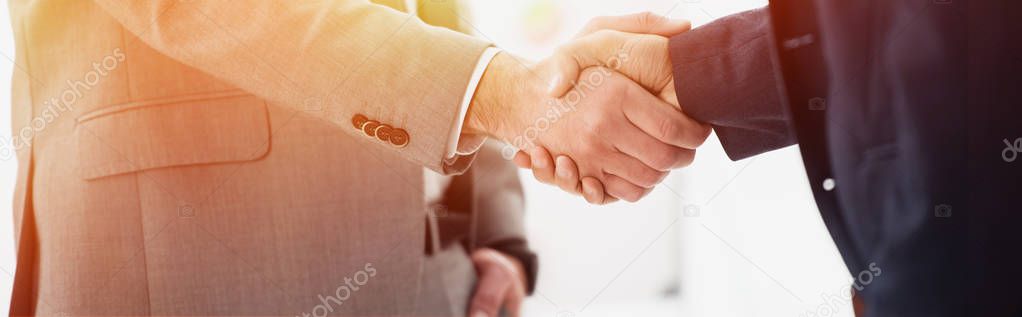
(457, 143)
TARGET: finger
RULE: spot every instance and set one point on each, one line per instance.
(665, 122)
(497, 267)
(523, 160)
(644, 22)
(566, 70)
(670, 95)
(592, 190)
(633, 171)
(490, 293)
(513, 301)
(623, 189)
(567, 175)
(542, 165)
(655, 154)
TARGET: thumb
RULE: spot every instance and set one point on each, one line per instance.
(643, 58)
(567, 66)
(644, 23)
(571, 59)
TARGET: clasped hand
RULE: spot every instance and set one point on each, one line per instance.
(603, 105)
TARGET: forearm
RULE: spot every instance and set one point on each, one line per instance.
(725, 76)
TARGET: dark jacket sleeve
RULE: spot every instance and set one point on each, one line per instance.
(725, 76)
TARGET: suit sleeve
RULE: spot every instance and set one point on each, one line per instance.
(349, 57)
(725, 76)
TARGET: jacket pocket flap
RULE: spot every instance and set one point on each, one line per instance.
(220, 128)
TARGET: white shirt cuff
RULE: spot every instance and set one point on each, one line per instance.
(472, 143)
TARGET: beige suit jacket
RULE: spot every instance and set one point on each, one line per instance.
(202, 158)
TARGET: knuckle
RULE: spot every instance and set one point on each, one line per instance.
(645, 177)
(589, 147)
(647, 19)
(616, 89)
(599, 123)
(613, 188)
(665, 159)
(667, 130)
(623, 85)
(651, 177)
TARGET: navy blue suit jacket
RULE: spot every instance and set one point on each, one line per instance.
(906, 107)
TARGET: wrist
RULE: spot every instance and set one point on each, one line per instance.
(502, 99)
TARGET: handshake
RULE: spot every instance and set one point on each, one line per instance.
(603, 105)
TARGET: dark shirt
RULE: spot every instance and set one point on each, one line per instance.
(911, 109)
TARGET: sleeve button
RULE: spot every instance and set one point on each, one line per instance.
(369, 128)
(359, 120)
(399, 138)
(384, 132)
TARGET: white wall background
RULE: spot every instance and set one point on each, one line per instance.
(751, 243)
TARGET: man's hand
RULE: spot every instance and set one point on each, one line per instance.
(501, 284)
(611, 42)
(613, 128)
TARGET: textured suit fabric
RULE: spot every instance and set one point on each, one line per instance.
(724, 75)
(198, 157)
(906, 106)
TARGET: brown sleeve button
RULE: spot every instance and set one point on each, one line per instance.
(383, 132)
(359, 120)
(399, 137)
(370, 127)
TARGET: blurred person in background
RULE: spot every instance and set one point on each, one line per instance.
(906, 114)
